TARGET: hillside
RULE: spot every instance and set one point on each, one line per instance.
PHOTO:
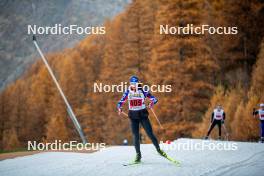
(16, 52)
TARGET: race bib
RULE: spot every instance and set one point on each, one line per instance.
(135, 102)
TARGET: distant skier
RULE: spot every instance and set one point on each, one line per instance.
(217, 118)
(138, 114)
(260, 114)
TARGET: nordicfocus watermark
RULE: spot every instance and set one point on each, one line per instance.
(123, 86)
(199, 145)
(59, 145)
(191, 29)
(59, 29)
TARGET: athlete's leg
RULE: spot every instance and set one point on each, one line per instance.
(211, 127)
(135, 131)
(262, 128)
(219, 124)
(147, 127)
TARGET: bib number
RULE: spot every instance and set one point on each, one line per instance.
(136, 102)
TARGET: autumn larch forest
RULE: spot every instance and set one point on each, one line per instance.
(204, 70)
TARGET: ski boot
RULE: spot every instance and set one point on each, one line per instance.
(206, 138)
(162, 153)
(219, 138)
(138, 158)
(261, 140)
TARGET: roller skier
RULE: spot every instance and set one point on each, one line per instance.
(138, 114)
(217, 118)
(260, 114)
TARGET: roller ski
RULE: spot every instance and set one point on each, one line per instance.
(136, 161)
(163, 154)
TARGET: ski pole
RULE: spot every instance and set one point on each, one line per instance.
(156, 118)
(124, 114)
(69, 109)
(226, 132)
(210, 125)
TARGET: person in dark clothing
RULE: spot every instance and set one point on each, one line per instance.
(144, 121)
(138, 114)
(260, 113)
(217, 118)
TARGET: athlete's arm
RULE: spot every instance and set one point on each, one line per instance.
(224, 116)
(153, 100)
(123, 100)
(212, 116)
(255, 112)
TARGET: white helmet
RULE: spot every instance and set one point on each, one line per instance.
(261, 105)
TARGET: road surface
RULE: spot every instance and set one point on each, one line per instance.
(247, 159)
